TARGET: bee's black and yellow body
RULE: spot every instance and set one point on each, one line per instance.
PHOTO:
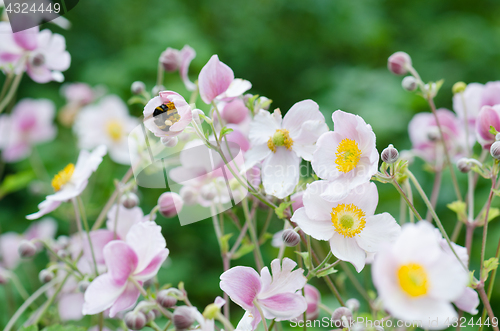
(165, 115)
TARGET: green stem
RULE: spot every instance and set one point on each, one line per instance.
(18, 285)
(253, 235)
(485, 226)
(12, 91)
(264, 322)
(87, 230)
(51, 300)
(139, 287)
(6, 84)
(405, 197)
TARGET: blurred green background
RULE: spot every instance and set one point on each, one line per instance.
(333, 52)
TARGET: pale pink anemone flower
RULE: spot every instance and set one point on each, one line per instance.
(426, 139)
(167, 115)
(71, 181)
(469, 300)
(43, 54)
(347, 156)
(417, 280)
(281, 143)
(137, 259)
(30, 123)
(313, 298)
(77, 95)
(106, 123)
(174, 59)
(488, 117)
(279, 296)
(474, 98)
(216, 82)
(45, 229)
(350, 224)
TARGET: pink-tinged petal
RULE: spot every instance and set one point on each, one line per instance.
(297, 201)
(379, 229)
(283, 279)
(186, 55)
(9, 243)
(237, 87)
(100, 238)
(127, 217)
(101, 294)
(255, 155)
(471, 99)
(283, 306)
(45, 207)
(27, 39)
(318, 229)
(121, 261)
(263, 127)
(146, 240)
(238, 137)
(488, 116)
(300, 113)
(152, 269)
(242, 284)
(126, 300)
(347, 249)
(70, 306)
(246, 322)
(214, 79)
(43, 229)
(491, 94)
(280, 172)
(41, 74)
(468, 301)
(316, 207)
(235, 111)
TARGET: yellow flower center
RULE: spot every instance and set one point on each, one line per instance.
(63, 177)
(413, 279)
(348, 220)
(170, 105)
(115, 130)
(280, 138)
(348, 155)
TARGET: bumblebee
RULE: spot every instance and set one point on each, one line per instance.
(165, 116)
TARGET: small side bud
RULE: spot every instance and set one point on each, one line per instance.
(464, 165)
(150, 316)
(458, 87)
(211, 311)
(389, 155)
(83, 285)
(169, 141)
(129, 200)
(45, 276)
(138, 87)
(165, 300)
(352, 304)
(135, 320)
(157, 89)
(290, 237)
(26, 249)
(62, 253)
(495, 150)
(342, 317)
(189, 195)
(409, 83)
(208, 193)
(398, 63)
(170, 204)
(170, 59)
(183, 317)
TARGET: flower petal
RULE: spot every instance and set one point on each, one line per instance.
(318, 229)
(152, 269)
(468, 301)
(347, 249)
(283, 306)
(146, 240)
(280, 173)
(214, 79)
(101, 294)
(126, 300)
(121, 261)
(379, 229)
(242, 284)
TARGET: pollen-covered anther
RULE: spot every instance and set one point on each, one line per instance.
(63, 177)
(280, 138)
(348, 220)
(115, 130)
(348, 155)
(413, 279)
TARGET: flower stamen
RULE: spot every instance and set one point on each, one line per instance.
(280, 138)
(348, 155)
(63, 177)
(348, 220)
(413, 279)
(115, 130)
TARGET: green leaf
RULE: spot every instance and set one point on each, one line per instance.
(489, 265)
(225, 131)
(280, 211)
(494, 212)
(29, 328)
(58, 327)
(224, 242)
(326, 272)
(16, 182)
(459, 207)
(305, 257)
(493, 131)
(244, 249)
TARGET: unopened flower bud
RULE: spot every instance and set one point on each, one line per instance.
(342, 317)
(138, 87)
(83, 285)
(211, 311)
(433, 134)
(45, 276)
(398, 63)
(409, 83)
(169, 141)
(165, 300)
(129, 200)
(497, 136)
(464, 165)
(135, 320)
(390, 155)
(27, 249)
(62, 253)
(183, 317)
(157, 89)
(207, 192)
(170, 59)
(189, 195)
(458, 87)
(235, 111)
(352, 304)
(150, 316)
(170, 204)
(495, 150)
(63, 241)
(290, 237)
